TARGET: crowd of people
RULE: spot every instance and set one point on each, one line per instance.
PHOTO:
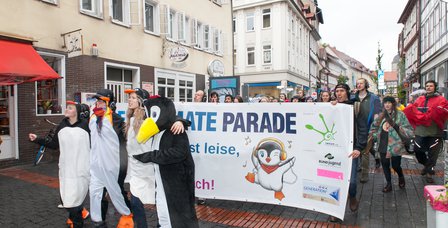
(383, 128)
(102, 151)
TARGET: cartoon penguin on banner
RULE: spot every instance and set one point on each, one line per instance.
(174, 165)
(269, 159)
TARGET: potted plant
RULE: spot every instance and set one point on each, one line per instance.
(46, 105)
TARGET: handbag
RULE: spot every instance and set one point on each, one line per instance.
(407, 142)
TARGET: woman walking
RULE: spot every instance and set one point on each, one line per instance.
(73, 140)
(385, 130)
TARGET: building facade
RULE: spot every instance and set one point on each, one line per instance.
(167, 47)
(433, 43)
(273, 40)
(409, 45)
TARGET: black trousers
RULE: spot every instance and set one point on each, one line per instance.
(432, 145)
(75, 214)
(396, 165)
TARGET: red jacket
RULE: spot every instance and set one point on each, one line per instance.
(437, 111)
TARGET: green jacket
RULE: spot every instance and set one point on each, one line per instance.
(395, 146)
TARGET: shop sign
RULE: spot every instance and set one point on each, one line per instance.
(216, 68)
(178, 54)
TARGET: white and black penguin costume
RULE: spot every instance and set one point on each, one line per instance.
(73, 141)
(107, 167)
(174, 165)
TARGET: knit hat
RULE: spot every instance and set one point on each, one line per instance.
(389, 99)
(343, 86)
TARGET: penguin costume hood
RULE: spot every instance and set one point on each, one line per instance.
(174, 165)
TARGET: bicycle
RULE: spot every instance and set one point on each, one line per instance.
(48, 137)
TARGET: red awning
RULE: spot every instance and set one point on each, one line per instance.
(19, 62)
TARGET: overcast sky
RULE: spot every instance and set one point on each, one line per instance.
(355, 27)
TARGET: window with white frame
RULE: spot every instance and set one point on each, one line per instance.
(217, 41)
(194, 32)
(120, 11)
(199, 35)
(54, 2)
(91, 7)
(267, 54)
(187, 30)
(151, 16)
(250, 56)
(250, 22)
(266, 18)
(234, 57)
(207, 40)
(50, 94)
(119, 79)
(176, 86)
(171, 24)
(181, 27)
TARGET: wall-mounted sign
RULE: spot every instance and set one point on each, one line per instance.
(73, 43)
(148, 86)
(216, 68)
(178, 54)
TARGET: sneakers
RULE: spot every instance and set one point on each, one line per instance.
(85, 213)
(60, 206)
(353, 204)
(201, 201)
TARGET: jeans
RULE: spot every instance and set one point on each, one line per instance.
(139, 212)
(353, 177)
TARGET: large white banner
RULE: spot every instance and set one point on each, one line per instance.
(293, 154)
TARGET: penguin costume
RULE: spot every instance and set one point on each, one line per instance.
(73, 140)
(174, 165)
(107, 168)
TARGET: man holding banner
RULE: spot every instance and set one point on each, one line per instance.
(341, 93)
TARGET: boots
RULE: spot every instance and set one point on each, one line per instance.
(353, 204)
(388, 188)
(401, 182)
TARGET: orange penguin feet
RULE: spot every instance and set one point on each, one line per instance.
(279, 195)
(250, 177)
(126, 221)
(69, 223)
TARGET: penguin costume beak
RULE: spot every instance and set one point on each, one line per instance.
(148, 129)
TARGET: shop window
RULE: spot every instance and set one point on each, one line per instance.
(4, 110)
(50, 94)
(118, 80)
(91, 7)
(175, 85)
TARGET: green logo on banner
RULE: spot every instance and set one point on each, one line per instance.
(328, 135)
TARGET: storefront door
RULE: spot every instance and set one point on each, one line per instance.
(7, 122)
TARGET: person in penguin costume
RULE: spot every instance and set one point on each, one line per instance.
(269, 159)
(108, 164)
(174, 165)
(73, 140)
